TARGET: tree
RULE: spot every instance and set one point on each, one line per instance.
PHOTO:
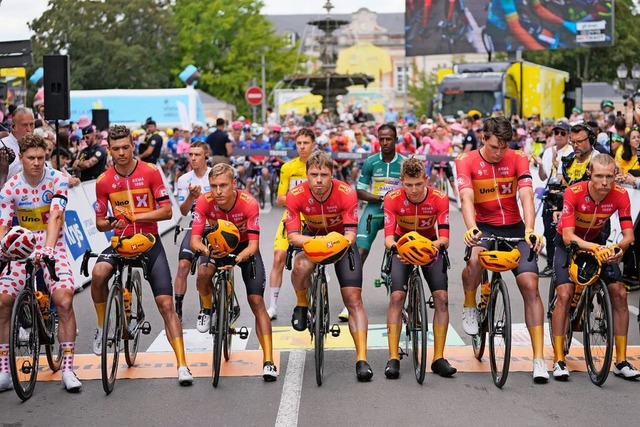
(423, 91)
(225, 40)
(111, 44)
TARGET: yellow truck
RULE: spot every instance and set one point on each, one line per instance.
(491, 86)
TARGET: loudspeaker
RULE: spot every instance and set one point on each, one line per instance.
(100, 118)
(57, 103)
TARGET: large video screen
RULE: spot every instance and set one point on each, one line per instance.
(435, 27)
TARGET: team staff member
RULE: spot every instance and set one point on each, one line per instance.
(151, 149)
(139, 200)
(292, 173)
(587, 207)
(23, 123)
(190, 187)
(416, 207)
(93, 159)
(574, 166)
(328, 205)
(220, 144)
(224, 202)
(489, 181)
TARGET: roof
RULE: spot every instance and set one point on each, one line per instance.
(394, 22)
(473, 82)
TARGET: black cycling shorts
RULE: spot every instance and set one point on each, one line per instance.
(254, 286)
(436, 279)
(185, 248)
(515, 230)
(610, 272)
(448, 171)
(158, 268)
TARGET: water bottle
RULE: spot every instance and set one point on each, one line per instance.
(43, 302)
(126, 295)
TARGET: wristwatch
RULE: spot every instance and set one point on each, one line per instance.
(381, 199)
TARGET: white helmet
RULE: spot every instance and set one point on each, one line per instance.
(18, 244)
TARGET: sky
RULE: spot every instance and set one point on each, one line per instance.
(15, 14)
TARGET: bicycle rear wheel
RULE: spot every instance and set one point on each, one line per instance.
(111, 336)
(262, 196)
(597, 332)
(418, 327)
(219, 330)
(53, 350)
(24, 345)
(274, 182)
(228, 324)
(499, 332)
(134, 321)
(320, 328)
(479, 340)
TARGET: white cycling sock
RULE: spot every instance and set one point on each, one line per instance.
(273, 299)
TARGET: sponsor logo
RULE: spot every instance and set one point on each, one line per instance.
(142, 201)
(487, 190)
(47, 196)
(506, 188)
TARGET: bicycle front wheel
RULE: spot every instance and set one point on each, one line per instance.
(418, 327)
(134, 321)
(111, 336)
(219, 330)
(499, 332)
(232, 304)
(54, 349)
(320, 328)
(597, 332)
(24, 345)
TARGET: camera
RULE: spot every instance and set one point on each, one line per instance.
(631, 96)
(553, 198)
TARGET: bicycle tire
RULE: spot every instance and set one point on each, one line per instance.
(598, 332)
(133, 323)
(23, 355)
(418, 328)
(320, 331)
(569, 333)
(499, 332)
(53, 350)
(219, 330)
(111, 336)
(479, 341)
(228, 326)
(274, 183)
(262, 197)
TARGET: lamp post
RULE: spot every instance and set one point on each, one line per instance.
(627, 81)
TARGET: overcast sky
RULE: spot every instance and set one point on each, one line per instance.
(15, 14)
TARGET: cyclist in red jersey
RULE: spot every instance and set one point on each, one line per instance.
(327, 205)
(223, 201)
(138, 200)
(417, 207)
(587, 207)
(489, 181)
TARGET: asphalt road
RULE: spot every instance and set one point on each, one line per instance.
(468, 398)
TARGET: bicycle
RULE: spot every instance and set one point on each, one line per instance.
(318, 317)
(31, 326)
(258, 188)
(121, 321)
(274, 182)
(592, 314)
(494, 314)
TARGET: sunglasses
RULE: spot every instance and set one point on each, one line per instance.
(560, 132)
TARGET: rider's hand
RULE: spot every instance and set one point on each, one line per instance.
(616, 254)
(46, 251)
(471, 236)
(195, 191)
(535, 241)
(602, 253)
(127, 214)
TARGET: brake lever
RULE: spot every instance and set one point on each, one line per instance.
(352, 261)
(194, 264)
(445, 255)
(252, 259)
(571, 249)
(176, 232)
(532, 253)
(289, 258)
(369, 219)
(84, 267)
(51, 266)
(467, 253)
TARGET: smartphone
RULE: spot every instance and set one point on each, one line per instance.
(618, 113)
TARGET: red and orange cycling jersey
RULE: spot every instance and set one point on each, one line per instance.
(138, 192)
(588, 217)
(494, 185)
(402, 215)
(339, 212)
(244, 214)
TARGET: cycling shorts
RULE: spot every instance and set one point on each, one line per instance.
(436, 279)
(514, 230)
(365, 238)
(281, 243)
(254, 286)
(448, 171)
(157, 268)
(609, 274)
(185, 248)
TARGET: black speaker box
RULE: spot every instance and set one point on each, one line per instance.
(57, 103)
(100, 118)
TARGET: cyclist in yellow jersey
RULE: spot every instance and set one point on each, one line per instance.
(292, 173)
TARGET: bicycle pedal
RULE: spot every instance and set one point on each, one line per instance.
(402, 353)
(430, 302)
(145, 328)
(243, 333)
(335, 330)
(26, 368)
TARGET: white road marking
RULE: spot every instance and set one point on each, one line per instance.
(633, 310)
(290, 399)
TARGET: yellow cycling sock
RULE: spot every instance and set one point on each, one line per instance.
(537, 341)
(301, 297)
(207, 301)
(101, 308)
(439, 338)
(360, 340)
(393, 337)
(178, 348)
(558, 348)
(621, 348)
(469, 299)
(267, 348)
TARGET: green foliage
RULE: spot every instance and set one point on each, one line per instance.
(422, 92)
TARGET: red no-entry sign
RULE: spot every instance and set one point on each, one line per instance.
(254, 95)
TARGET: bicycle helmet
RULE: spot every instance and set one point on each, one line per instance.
(224, 237)
(236, 125)
(584, 268)
(131, 246)
(416, 249)
(326, 249)
(18, 244)
(499, 260)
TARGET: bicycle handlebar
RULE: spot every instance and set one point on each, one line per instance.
(50, 263)
(141, 258)
(370, 218)
(497, 239)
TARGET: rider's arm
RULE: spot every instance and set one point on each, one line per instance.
(251, 249)
(627, 238)
(468, 208)
(199, 222)
(296, 239)
(528, 208)
(364, 183)
(569, 235)
(163, 213)
(147, 152)
(443, 222)
(160, 194)
(513, 22)
(54, 225)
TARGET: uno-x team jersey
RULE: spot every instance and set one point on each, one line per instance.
(380, 177)
(588, 217)
(402, 216)
(494, 185)
(339, 212)
(292, 173)
(139, 192)
(244, 214)
(191, 179)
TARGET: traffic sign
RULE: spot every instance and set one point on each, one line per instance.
(254, 95)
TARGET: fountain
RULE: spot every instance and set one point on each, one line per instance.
(327, 83)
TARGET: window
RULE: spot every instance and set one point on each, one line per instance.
(402, 76)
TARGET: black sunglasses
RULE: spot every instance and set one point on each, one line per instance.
(560, 132)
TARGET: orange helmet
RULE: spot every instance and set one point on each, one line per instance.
(224, 237)
(416, 249)
(326, 249)
(584, 268)
(499, 260)
(130, 246)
